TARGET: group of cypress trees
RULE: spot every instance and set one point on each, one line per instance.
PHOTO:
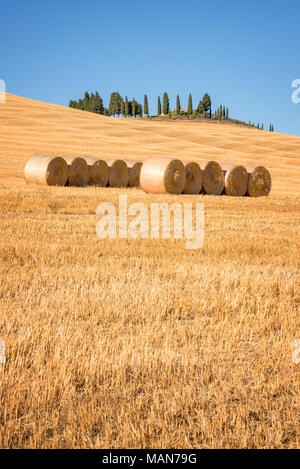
(119, 106)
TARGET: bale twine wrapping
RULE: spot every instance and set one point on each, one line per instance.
(163, 175)
(194, 178)
(259, 181)
(98, 171)
(118, 173)
(78, 171)
(46, 169)
(236, 180)
(134, 171)
(213, 178)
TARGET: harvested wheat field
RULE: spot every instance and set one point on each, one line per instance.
(143, 343)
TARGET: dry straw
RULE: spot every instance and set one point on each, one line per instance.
(236, 179)
(46, 169)
(194, 178)
(213, 178)
(118, 173)
(163, 175)
(134, 169)
(259, 181)
(78, 171)
(98, 171)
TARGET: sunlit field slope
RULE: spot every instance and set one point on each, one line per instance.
(143, 343)
(29, 126)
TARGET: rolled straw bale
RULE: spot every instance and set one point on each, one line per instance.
(163, 175)
(46, 169)
(236, 179)
(134, 170)
(194, 178)
(98, 171)
(118, 173)
(259, 181)
(78, 171)
(213, 178)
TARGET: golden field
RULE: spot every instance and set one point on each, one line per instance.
(142, 343)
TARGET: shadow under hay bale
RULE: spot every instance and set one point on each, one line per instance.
(236, 180)
(118, 173)
(213, 178)
(163, 175)
(78, 171)
(259, 181)
(194, 178)
(46, 169)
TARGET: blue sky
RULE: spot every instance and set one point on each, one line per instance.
(244, 54)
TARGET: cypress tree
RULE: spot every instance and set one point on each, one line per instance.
(178, 106)
(158, 106)
(190, 105)
(114, 104)
(207, 103)
(262, 126)
(223, 113)
(122, 107)
(86, 101)
(220, 112)
(126, 107)
(146, 109)
(227, 112)
(134, 109)
(165, 103)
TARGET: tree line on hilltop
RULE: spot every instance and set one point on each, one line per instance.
(132, 108)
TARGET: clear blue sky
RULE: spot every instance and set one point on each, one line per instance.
(244, 54)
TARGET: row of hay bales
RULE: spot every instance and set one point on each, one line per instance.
(166, 175)
(82, 171)
(156, 175)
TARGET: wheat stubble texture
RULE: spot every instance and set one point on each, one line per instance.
(143, 343)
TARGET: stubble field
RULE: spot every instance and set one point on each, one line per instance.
(143, 343)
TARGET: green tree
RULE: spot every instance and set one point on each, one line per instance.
(158, 106)
(190, 105)
(227, 113)
(178, 108)
(133, 108)
(146, 108)
(98, 103)
(165, 103)
(207, 103)
(221, 112)
(126, 107)
(86, 101)
(122, 108)
(201, 109)
(114, 104)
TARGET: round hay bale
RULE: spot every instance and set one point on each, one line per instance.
(163, 175)
(78, 171)
(134, 170)
(98, 171)
(118, 173)
(236, 180)
(259, 181)
(46, 169)
(213, 178)
(194, 178)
